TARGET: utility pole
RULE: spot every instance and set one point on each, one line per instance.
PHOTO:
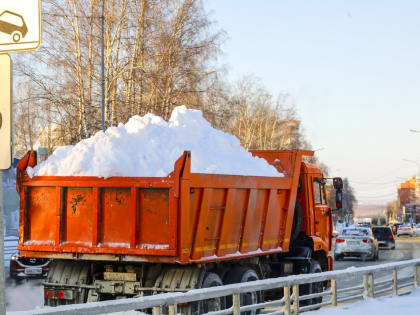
(103, 64)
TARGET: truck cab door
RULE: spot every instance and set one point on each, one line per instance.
(322, 212)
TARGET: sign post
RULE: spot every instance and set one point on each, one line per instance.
(5, 112)
(20, 30)
(5, 155)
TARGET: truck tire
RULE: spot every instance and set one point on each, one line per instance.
(210, 279)
(241, 275)
(311, 288)
(297, 221)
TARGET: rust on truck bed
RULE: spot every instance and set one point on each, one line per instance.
(182, 218)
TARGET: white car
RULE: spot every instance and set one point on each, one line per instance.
(356, 242)
(405, 230)
(417, 229)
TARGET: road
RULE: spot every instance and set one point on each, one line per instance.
(406, 248)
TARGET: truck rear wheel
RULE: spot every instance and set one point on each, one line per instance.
(187, 279)
(211, 280)
(241, 275)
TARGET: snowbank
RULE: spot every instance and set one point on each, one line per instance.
(407, 305)
(148, 146)
(28, 296)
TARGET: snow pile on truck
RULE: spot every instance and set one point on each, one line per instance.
(148, 146)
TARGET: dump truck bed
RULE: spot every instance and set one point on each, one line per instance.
(183, 218)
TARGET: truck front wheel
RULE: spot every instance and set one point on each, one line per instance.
(311, 288)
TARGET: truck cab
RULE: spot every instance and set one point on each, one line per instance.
(317, 223)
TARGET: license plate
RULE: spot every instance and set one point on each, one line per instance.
(33, 271)
(353, 243)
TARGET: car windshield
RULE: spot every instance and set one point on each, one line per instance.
(381, 231)
(355, 232)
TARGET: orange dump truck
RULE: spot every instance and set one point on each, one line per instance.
(134, 236)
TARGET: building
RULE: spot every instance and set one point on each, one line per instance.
(409, 198)
(49, 139)
(407, 192)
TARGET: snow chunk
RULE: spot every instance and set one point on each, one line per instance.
(148, 146)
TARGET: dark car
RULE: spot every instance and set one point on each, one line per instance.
(395, 228)
(384, 236)
(13, 24)
(25, 268)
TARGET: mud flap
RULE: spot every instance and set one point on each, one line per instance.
(66, 273)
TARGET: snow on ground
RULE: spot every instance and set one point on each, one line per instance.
(388, 305)
(26, 296)
(407, 305)
(149, 146)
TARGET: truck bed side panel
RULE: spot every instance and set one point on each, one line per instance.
(253, 220)
(275, 220)
(183, 218)
(115, 218)
(77, 221)
(36, 228)
(85, 215)
(231, 230)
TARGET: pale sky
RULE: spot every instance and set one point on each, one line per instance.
(353, 70)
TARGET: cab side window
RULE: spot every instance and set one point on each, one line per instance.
(319, 192)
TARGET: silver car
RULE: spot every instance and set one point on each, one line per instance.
(405, 230)
(356, 242)
(417, 229)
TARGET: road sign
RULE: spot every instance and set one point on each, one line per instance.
(20, 25)
(5, 112)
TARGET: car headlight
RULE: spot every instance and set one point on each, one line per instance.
(15, 256)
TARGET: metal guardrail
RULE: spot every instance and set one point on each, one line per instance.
(289, 304)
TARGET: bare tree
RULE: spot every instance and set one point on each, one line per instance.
(158, 54)
(259, 121)
(27, 119)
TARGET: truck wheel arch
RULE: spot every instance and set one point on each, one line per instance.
(321, 257)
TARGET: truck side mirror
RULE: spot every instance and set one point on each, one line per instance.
(339, 199)
(338, 183)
